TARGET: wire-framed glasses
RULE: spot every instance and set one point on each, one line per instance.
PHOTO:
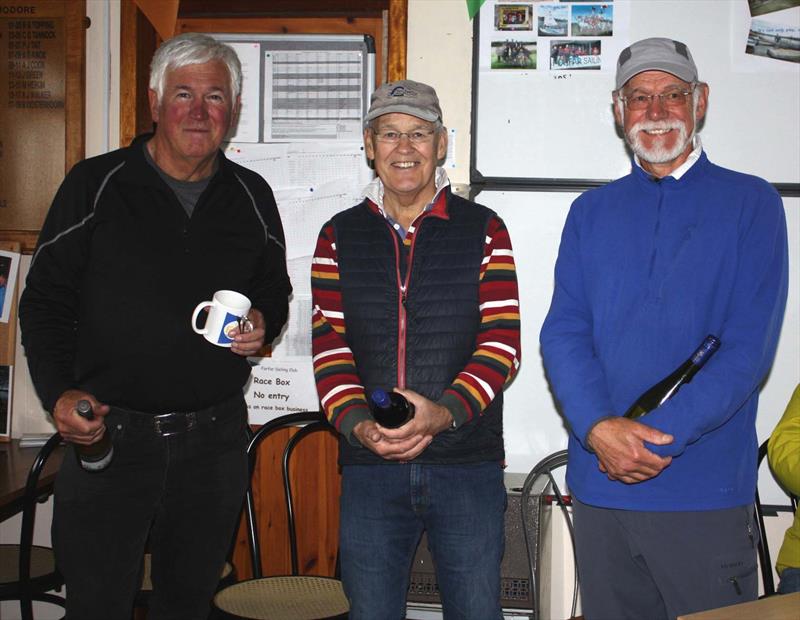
(418, 136)
(673, 98)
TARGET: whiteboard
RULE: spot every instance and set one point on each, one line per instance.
(542, 126)
(302, 87)
(533, 428)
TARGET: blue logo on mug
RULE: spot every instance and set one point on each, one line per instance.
(231, 321)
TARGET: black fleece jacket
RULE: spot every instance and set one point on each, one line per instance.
(119, 268)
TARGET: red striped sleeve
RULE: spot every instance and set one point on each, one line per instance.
(339, 387)
(497, 356)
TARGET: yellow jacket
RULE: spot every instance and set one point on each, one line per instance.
(784, 457)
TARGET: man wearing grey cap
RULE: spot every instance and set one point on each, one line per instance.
(415, 290)
(649, 265)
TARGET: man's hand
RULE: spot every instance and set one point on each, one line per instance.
(408, 441)
(72, 426)
(621, 453)
(249, 343)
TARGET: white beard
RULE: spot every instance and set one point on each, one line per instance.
(658, 154)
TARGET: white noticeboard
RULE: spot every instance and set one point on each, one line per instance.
(302, 87)
(542, 111)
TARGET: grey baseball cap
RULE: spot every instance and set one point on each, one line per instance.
(405, 97)
(656, 54)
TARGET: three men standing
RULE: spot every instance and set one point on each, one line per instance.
(413, 289)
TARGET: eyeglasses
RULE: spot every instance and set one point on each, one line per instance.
(418, 136)
(669, 99)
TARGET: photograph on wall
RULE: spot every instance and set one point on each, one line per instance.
(511, 54)
(9, 265)
(775, 41)
(762, 7)
(5, 402)
(593, 20)
(553, 20)
(575, 54)
(513, 17)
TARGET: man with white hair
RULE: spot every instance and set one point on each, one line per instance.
(649, 265)
(134, 240)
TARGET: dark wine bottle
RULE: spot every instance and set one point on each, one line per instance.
(390, 409)
(96, 456)
(667, 387)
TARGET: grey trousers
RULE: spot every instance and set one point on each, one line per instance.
(658, 565)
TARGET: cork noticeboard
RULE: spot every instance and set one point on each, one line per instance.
(41, 107)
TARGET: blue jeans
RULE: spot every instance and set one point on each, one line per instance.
(790, 581)
(384, 510)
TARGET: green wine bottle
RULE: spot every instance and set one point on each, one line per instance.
(668, 386)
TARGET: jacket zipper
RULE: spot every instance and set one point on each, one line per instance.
(402, 287)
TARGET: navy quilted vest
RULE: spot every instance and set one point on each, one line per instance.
(441, 309)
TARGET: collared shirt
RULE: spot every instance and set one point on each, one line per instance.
(684, 167)
(375, 190)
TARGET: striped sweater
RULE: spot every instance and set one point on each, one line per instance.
(493, 363)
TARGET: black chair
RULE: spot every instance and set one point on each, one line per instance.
(540, 488)
(27, 571)
(764, 557)
(287, 597)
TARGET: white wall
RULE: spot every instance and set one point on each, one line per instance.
(102, 76)
(440, 54)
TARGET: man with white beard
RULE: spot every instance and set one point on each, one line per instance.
(648, 266)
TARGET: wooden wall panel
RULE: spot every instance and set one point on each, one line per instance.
(316, 485)
(261, 8)
(398, 33)
(42, 117)
(138, 42)
(77, 24)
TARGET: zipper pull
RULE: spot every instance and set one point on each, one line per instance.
(735, 585)
(750, 535)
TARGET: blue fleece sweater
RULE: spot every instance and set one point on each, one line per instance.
(647, 269)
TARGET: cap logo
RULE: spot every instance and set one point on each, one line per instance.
(681, 49)
(400, 91)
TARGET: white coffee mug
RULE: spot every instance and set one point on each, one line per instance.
(226, 311)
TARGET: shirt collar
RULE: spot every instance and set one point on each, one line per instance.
(374, 191)
(685, 166)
